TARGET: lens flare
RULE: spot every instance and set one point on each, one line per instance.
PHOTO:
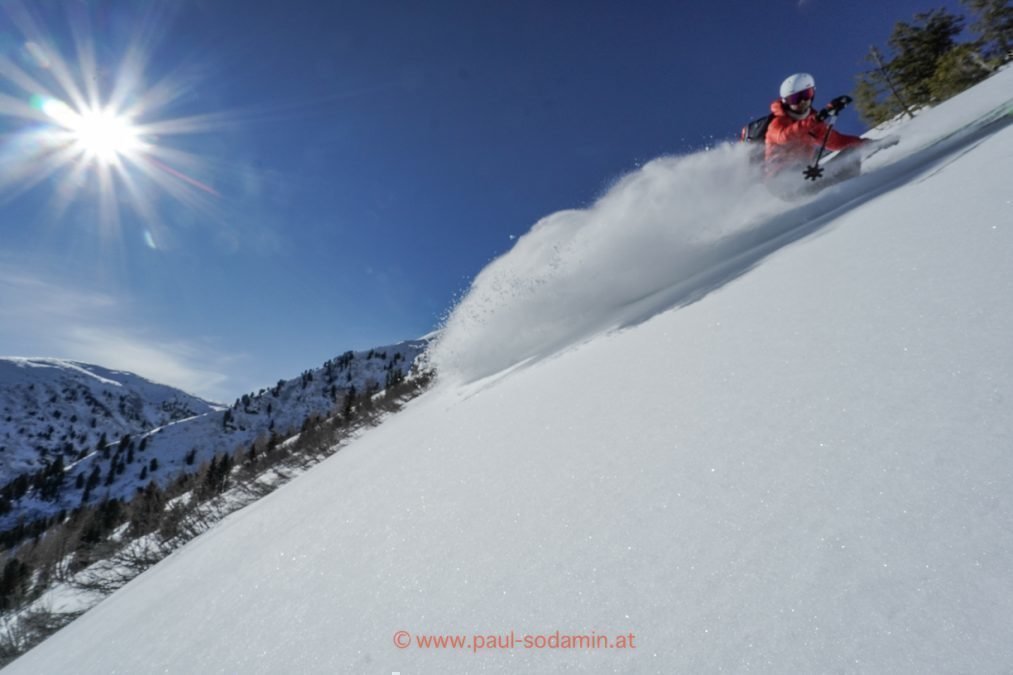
(101, 135)
(90, 128)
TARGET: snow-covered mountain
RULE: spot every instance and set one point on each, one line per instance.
(52, 406)
(166, 432)
(689, 429)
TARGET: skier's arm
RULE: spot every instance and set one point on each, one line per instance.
(809, 132)
(838, 141)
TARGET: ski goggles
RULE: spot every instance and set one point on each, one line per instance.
(799, 96)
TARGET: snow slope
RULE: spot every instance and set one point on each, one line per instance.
(52, 405)
(664, 236)
(807, 469)
(54, 401)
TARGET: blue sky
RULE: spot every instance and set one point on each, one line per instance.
(330, 176)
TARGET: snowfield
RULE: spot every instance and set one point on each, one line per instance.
(793, 456)
(48, 404)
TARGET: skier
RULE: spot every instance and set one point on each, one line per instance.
(796, 133)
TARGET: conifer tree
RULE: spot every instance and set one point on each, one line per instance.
(95, 478)
(13, 582)
(349, 402)
(877, 96)
(994, 24)
(958, 69)
(919, 46)
(146, 510)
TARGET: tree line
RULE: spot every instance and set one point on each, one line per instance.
(925, 63)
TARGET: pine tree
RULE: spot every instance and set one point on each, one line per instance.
(919, 46)
(877, 97)
(225, 467)
(960, 68)
(211, 476)
(146, 510)
(216, 478)
(866, 95)
(994, 25)
(349, 403)
(94, 478)
(14, 582)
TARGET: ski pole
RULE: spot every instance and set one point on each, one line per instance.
(814, 171)
(832, 110)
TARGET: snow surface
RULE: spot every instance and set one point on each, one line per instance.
(19, 370)
(805, 470)
(48, 405)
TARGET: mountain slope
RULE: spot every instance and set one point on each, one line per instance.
(167, 436)
(48, 406)
(805, 470)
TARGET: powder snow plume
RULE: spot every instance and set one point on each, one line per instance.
(577, 273)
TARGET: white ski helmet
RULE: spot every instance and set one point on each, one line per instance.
(796, 83)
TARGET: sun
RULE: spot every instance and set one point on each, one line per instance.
(90, 127)
(100, 135)
(105, 136)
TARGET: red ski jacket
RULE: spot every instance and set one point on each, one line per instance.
(793, 142)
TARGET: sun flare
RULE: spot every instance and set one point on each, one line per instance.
(92, 132)
(105, 135)
(100, 135)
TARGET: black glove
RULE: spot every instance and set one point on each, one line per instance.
(834, 107)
